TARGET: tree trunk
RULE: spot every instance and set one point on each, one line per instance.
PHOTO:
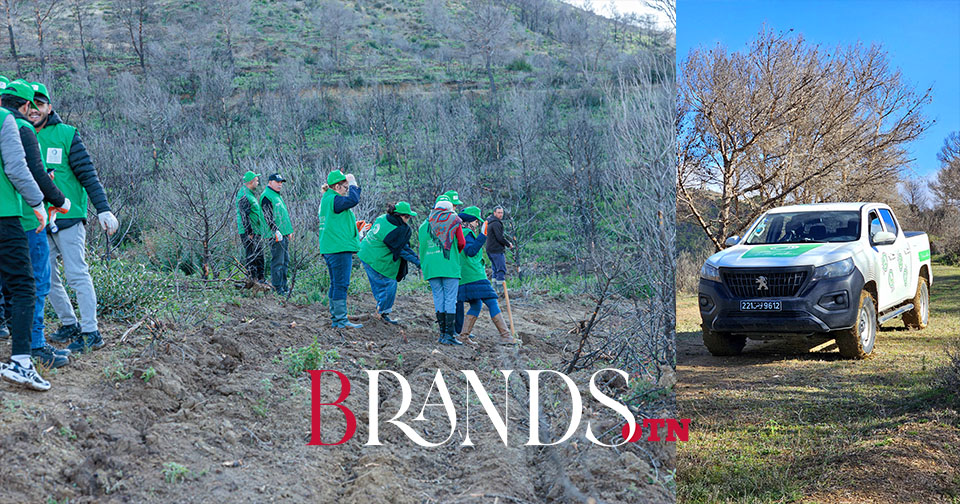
(83, 47)
(13, 41)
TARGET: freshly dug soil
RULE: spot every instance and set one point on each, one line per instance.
(212, 414)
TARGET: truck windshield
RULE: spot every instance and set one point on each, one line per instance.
(806, 227)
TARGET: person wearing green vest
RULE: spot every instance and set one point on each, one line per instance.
(18, 188)
(278, 230)
(441, 240)
(384, 253)
(18, 99)
(475, 288)
(339, 240)
(63, 151)
(250, 227)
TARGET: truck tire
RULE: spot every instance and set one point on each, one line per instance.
(918, 317)
(857, 342)
(723, 344)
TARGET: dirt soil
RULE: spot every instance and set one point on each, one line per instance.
(794, 422)
(222, 419)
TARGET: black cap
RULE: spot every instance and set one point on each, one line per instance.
(276, 177)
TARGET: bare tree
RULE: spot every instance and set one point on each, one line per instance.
(487, 31)
(78, 15)
(42, 10)
(785, 121)
(132, 15)
(947, 186)
(666, 7)
(10, 9)
(336, 23)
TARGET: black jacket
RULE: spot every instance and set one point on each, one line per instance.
(496, 240)
(398, 241)
(82, 167)
(31, 148)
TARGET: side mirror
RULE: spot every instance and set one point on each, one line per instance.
(733, 240)
(883, 238)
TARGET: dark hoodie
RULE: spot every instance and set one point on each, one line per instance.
(82, 167)
(496, 240)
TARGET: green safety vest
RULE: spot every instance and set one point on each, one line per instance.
(432, 262)
(10, 199)
(472, 267)
(376, 253)
(280, 215)
(338, 231)
(256, 214)
(28, 219)
(55, 142)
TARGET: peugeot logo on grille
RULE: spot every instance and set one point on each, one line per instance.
(762, 283)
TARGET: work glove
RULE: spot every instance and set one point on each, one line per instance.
(351, 180)
(278, 236)
(41, 214)
(53, 211)
(108, 222)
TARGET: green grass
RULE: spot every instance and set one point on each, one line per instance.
(808, 427)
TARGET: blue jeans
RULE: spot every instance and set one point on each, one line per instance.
(445, 293)
(40, 258)
(499, 264)
(384, 289)
(476, 305)
(339, 266)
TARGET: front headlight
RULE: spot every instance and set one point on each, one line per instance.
(833, 270)
(710, 272)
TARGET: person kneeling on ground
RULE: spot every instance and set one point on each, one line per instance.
(339, 240)
(384, 253)
(441, 264)
(474, 286)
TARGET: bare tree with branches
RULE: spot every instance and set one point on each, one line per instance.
(785, 121)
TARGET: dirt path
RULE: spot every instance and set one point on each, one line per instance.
(782, 423)
(220, 418)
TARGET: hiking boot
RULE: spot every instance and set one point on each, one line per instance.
(505, 337)
(65, 334)
(86, 341)
(13, 372)
(4, 332)
(48, 357)
(386, 318)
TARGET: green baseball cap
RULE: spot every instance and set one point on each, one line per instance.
(247, 177)
(473, 211)
(40, 89)
(20, 88)
(3, 82)
(454, 198)
(443, 197)
(335, 177)
(402, 207)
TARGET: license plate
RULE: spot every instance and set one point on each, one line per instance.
(760, 306)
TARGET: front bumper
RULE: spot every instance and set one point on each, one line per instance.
(813, 310)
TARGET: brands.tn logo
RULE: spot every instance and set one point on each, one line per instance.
(656, 429)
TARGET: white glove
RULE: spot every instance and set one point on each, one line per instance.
(278, 236)
(108, 222)
(62, 209)
(41, 214)
(351, 180)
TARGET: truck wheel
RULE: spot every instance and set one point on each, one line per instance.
(918, 317)
(857, 342)
(723, 344)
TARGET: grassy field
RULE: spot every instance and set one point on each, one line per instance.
(783, 423)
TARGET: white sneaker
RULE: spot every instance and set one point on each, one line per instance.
(13, 372)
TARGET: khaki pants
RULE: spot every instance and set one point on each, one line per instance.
(70, 245)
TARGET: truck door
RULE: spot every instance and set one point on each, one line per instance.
(903, 285)
(885, 265)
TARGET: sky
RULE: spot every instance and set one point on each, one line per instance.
(602, 7)
(922, 38)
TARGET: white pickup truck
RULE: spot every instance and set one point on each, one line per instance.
(836, 270)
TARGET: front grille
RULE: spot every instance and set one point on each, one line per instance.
(748, 284)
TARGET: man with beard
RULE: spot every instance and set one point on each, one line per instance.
(64, 152)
